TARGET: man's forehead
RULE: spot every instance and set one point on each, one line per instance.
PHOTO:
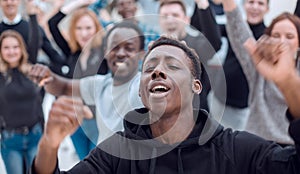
(166, 51)
(123, 34)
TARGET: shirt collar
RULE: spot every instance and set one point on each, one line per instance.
(16, 20)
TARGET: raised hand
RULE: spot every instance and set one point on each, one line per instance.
(64, 118)
(31, 7)
(202, 4)
(40, 74)
(73, 5)
(273, 59)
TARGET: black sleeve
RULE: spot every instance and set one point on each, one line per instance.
(56, 34)
(256, 155)
(205, 22)
(297, 9)
(33, 39)
(96, 162)
(51, 52)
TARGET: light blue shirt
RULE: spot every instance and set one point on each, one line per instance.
(112, 102)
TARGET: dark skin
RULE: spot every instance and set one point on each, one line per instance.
(165, 66)
(171, 110)
(126, 8)
(122, 54)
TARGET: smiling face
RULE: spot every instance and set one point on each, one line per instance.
(173, 20)
(166, 82)
(286, 32)
(11, 52)
(10, 8)
(123, 48)
(256, 10)
(85, 29)
(126, 8)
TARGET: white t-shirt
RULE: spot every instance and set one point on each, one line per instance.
(112, 102)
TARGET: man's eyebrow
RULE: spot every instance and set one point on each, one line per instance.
(170, 58)
(152, 59)
(155, 59)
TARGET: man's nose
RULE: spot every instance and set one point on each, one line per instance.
(255, 5)
(158, 74)
(121, 53)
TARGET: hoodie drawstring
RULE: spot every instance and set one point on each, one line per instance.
(179, 162)
(153, 161)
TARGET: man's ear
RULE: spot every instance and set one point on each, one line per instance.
(105, 52)
(197, 86)
(187, 20)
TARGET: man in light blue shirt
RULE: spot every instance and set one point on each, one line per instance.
(113, 94)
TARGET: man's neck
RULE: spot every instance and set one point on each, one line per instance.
(182, 35)
(121, 81)
(12, 19)
(175, 128)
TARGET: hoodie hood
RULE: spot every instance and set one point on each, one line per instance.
(137, 128)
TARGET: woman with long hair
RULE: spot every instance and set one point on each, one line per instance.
(266, 102)
(82, 47)
(21, 114)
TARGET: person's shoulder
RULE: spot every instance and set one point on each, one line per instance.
(97, 79)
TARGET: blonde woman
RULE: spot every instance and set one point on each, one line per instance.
(84, 28)
(21, 114)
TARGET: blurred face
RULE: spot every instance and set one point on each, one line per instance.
(286, 31)
(122, 54)
(173, 20)
(10, 8)
(85, 29)
(126, 8)
(255, 10)
(166, 81)
(11, 51)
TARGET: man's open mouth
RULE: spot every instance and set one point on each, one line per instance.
(159, 89)
(121, 64)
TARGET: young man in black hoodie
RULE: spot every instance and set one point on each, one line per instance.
(168, 136)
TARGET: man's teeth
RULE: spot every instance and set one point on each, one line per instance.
(159, 88)
(121, 64)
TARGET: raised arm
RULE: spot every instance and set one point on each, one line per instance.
(204, 20)
(297, 9)
(34, 34)
(64, 118)
(238, 32)
(276, 63)
(53, 83)
(55, 20)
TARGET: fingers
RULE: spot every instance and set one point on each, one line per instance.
(251, 47)
(268, 48)
(40, 74)
(265, 49)
(45, 81)
(88, 114)
(70, 111)
(63, 111)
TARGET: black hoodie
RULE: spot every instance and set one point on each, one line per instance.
(209, 150)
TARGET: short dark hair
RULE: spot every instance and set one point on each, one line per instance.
(167, 2)
(127, 24)
(190, 53)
